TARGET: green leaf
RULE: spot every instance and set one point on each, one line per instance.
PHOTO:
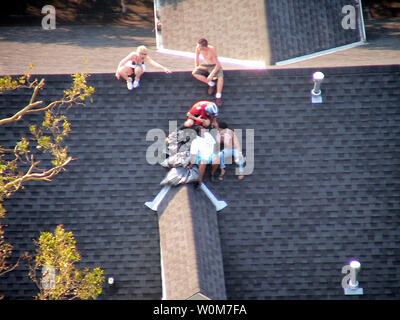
(45, 142)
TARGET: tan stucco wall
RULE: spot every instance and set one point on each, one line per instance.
(237, 28)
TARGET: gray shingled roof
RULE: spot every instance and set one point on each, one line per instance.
(298, 28)
(324, 188)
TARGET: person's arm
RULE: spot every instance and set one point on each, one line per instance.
(156, 64)
(218, 138)
(235, 142)
(217, 66)
(193, 154)
(129, 57)
(197, 59)
(192, 162)
(215, 70)
(197, 118)
(205, 122)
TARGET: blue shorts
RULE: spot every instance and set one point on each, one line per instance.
(206, 160)
(139, 65)
(228, 153)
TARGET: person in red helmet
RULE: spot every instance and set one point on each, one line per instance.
(202, 113)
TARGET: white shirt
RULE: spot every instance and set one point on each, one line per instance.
(203, 146)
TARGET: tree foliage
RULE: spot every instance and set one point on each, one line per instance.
(58, 253)
(47, 136)
(19, 164)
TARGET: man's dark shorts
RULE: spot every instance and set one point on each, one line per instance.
(206, 69)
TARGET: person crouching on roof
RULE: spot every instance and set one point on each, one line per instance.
(231, 147)
(134, 64)
(202, 113)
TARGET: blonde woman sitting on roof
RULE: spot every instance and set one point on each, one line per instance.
(134, 64)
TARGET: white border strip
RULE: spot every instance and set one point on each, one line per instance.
(364, 36)
(163, 281)
(153, 205)
(219, 204)
(253, 64)
(319, 53)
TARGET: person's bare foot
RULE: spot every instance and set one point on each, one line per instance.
(221, 175)
(240, 176)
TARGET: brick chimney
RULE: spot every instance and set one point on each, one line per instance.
(191, 257)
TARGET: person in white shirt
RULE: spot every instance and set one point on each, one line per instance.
(202, 153)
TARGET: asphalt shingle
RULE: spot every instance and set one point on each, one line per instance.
(324, 187)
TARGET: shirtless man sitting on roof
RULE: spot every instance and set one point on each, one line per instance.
(231, 147)
(210, 70)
